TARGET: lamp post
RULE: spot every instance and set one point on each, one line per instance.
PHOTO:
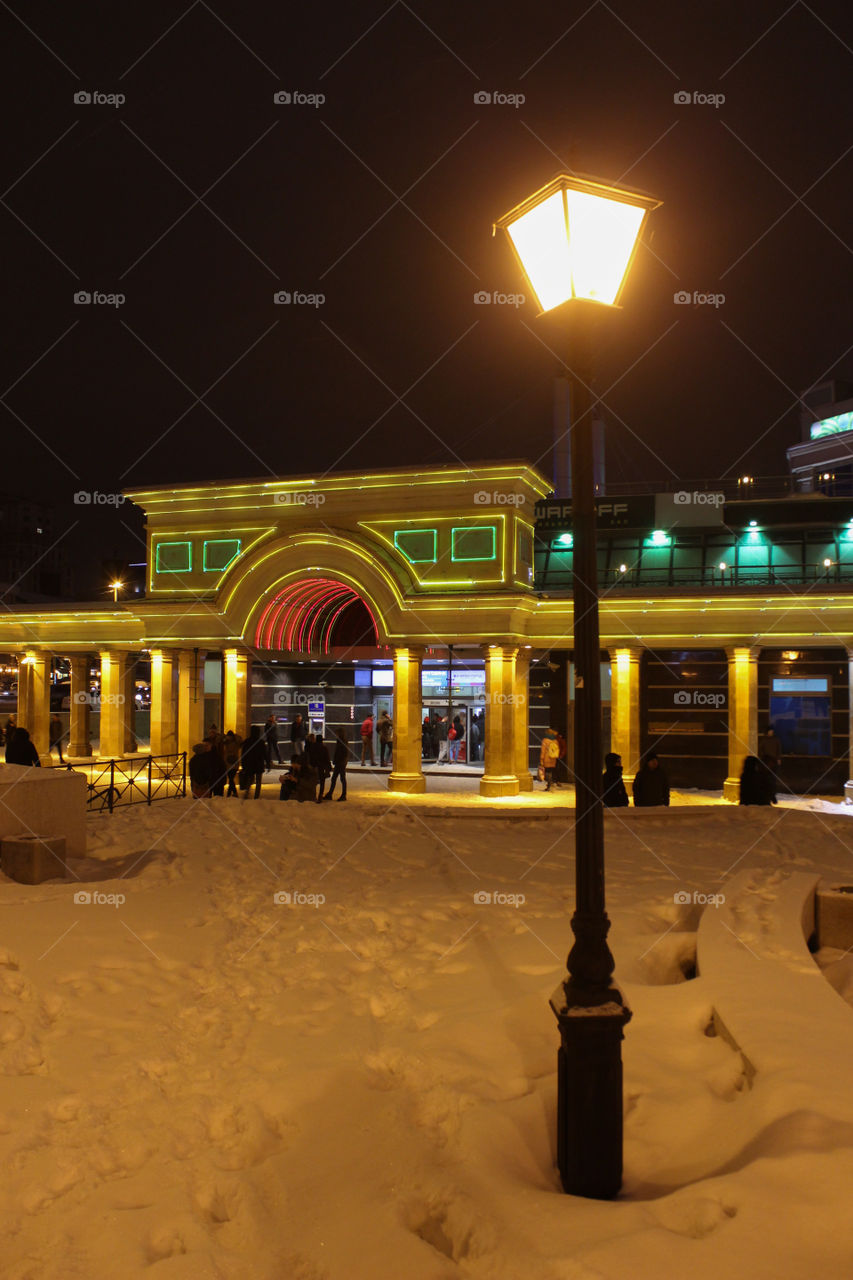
(116, 587)
(575, 240)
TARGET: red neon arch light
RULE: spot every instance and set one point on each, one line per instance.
(302, 616)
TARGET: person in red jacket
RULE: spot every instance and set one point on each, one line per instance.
(367, 740)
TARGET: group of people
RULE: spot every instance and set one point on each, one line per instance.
(384, 729)
(758, 780)
(223, 761)
(20, 748)
(442, 737)
(650, 787)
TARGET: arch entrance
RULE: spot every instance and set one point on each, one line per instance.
(312, 615)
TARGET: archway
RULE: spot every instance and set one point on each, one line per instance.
(307, 615)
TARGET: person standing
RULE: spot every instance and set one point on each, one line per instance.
(770, 755)
(20, 749)
(367, 740)
(271, 741)
(613, 793)
(756, 783)
(474, 741)
(321, 763)
(442, 740)
(549, 753)
(651, 785)
(298, 734)
(339, 765)
(385, 730)
(231, 751)
(55, 735)
(252, 761)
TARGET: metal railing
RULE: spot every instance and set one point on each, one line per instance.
(132, 780)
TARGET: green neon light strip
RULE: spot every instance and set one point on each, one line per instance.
(184, 567)
(461, 535)
(222, 559)
(400, 535)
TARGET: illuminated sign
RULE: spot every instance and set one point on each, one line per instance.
(789, 684)
(831, 426)
(610, 513)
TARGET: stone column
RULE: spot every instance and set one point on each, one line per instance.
(521, 720)
(79, 744)
(129, 704)
(625, 728)
(38, 701)
(190, 698)
(237, 692)
(499, 775)
(164, 702)
(22, 712)
(406, 761)
(849, 720)
(115, 712)
(743, 715)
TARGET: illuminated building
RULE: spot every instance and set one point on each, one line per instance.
(343, 591)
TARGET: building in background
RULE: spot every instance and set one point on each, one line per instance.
(34, 563)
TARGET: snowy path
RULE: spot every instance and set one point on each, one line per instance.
(203, 1082)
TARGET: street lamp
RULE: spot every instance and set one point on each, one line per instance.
(116, 587)
(575, 240)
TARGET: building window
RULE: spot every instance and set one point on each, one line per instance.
(417, 545)
(219, 553)
(477, 542)
(173, 557)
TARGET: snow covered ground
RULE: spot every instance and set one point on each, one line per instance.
(358, 1083)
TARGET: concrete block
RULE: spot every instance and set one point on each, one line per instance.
(33, 859)
(36, 800)
(835, 917)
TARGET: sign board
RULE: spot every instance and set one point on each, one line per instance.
(610, 513)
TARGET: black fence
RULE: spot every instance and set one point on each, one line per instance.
(133, 780)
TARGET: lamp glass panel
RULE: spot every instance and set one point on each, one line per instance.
(539, 237)
(602, 234)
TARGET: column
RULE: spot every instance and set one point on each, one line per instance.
(79, 744)
(129, 690)
(499, 776)
(115, 711)
(237, 692)
(406, 761)
(38, 701)
(164, 702)
(743, 715)
(190, 698)
(521, 719)
(22, 710)
(625, 729)
(849, 721)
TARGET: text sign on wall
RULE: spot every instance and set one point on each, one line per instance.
(610, 513)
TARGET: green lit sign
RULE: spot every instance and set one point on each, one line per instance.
(476, 542)
(219, 553)
(173, 557)
(831, 426)
(417, 545)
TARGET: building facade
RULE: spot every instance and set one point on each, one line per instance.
(450, 588)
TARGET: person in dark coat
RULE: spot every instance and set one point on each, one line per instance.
(613, 793)
(271, 740)
(651, 785)
(298, 734)
(756, 783)
(321, 763)
(55, 734)
(252, 761)
(231, 751)
(290, 779)
(385, 730)
(339, 765)
(306, 787)
(204, 769)
(20, 749)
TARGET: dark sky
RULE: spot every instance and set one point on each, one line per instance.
(381, 199)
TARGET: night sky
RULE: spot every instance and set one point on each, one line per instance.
(199, 198)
